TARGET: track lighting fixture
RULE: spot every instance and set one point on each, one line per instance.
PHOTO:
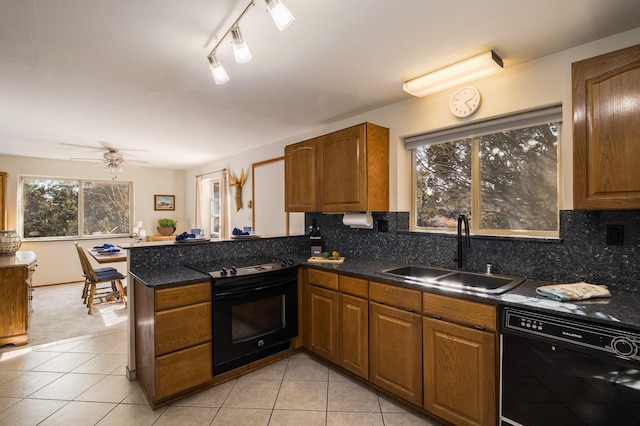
(282, 18)
(453, 75)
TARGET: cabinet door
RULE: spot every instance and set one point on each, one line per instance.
(14, 305)
(343, 165)
(301, 177)
(606, 131)
(183, 370)
(353, 332)
(323, 323)
(459, 373)
(395, 341)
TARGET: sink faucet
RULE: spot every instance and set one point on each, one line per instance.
(462, 220)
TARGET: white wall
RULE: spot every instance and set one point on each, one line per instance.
(57, 260)
(538, 83)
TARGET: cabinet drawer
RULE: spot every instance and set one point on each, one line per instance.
(400, 297)
(183, 370)
(354, 286)
(323, 278)
(181, 328)
(167, 298)
(461, 311)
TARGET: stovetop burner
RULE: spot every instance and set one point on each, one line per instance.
(241, 267)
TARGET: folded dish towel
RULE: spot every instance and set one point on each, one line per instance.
(575, 291)
(237, 231)
(104, 246)
(109, 250)
(184, 236)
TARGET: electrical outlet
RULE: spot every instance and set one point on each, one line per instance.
(615, 235)
(383, 225)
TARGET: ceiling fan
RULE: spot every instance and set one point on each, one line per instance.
(112, 159)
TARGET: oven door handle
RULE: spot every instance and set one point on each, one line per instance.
(234, 293)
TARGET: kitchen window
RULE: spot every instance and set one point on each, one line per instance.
(501, 173)
(73, 208)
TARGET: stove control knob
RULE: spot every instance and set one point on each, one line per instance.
(283, 262)
(223, 271)
(233, 270)
(290, 262)
(624, 346)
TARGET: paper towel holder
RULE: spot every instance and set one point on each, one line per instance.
(361, 220)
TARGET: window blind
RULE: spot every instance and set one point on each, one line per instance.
(499, 124)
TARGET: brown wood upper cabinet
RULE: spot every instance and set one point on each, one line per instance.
(344, 171)
(606, 131)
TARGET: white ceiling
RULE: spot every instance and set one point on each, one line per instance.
(133, 74)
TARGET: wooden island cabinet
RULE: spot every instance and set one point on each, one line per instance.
(343, 171)
(16, 276)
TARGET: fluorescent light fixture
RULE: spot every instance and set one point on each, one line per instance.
(280, 14)
(240, 48)
(453, 75)
(220, 75)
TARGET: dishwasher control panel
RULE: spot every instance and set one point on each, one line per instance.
(615, 341)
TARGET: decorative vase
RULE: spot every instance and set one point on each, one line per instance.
(165, 230)
(9, 243)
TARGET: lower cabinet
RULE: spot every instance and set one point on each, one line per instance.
(353, 335)
(16, 274)
(323, 327)
(173, 339)
(395, 351)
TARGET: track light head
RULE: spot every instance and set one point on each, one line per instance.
(220, 75)
(240, 48)
(280, 14)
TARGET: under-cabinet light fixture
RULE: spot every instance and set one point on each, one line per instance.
(282, 18)
(462, 72)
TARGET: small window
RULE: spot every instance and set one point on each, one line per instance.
(54, 208)
(505, 179)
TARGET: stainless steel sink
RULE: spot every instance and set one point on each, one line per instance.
(447, 278)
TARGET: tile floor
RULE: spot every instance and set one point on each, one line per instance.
(81, 381)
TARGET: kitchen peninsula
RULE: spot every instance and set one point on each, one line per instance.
(350, 290)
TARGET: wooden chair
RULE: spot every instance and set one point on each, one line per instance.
(114, 292)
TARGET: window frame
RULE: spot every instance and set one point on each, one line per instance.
(80, 183)
(474, 131)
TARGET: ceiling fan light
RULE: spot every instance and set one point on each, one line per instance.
(462, 72)
(280, 14)
(220, 75)
(240, 48)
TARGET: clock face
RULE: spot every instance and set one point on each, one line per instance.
(465, 102)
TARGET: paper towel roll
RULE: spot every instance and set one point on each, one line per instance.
(358, 220)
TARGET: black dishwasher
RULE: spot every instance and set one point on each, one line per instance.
(556, 370)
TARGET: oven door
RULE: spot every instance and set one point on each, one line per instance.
(546, 383)
(253, 322)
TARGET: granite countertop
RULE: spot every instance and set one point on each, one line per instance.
(622, 309)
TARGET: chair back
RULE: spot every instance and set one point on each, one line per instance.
(87, 269)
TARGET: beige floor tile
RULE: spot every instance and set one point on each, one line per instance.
(270, 372)
(253, 394)
(24, 361)
(301, 355)
(6, 375)
(61, 345)
(302, 395)
(110, 389)
(27, 383)
(297, 417)
(68, 386)
(408, 419)
(131, 415)
(213, 397)
(387, 405)
(64, 362)
(103, 364)
(336, 418)
(79, 413)
(29, 412)
(306, 369)
(8, 402)
(111, 343)
(187, 416)
(338, 376)
(136, 397)
(241, 417)
(351, 396)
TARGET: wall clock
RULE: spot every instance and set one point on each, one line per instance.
(465, 102)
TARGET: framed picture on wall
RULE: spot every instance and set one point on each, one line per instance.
(164, 202)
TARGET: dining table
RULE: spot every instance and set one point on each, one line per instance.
(108, 257)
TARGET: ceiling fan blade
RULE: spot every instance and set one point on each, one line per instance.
(88, 159)
(97, 148)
